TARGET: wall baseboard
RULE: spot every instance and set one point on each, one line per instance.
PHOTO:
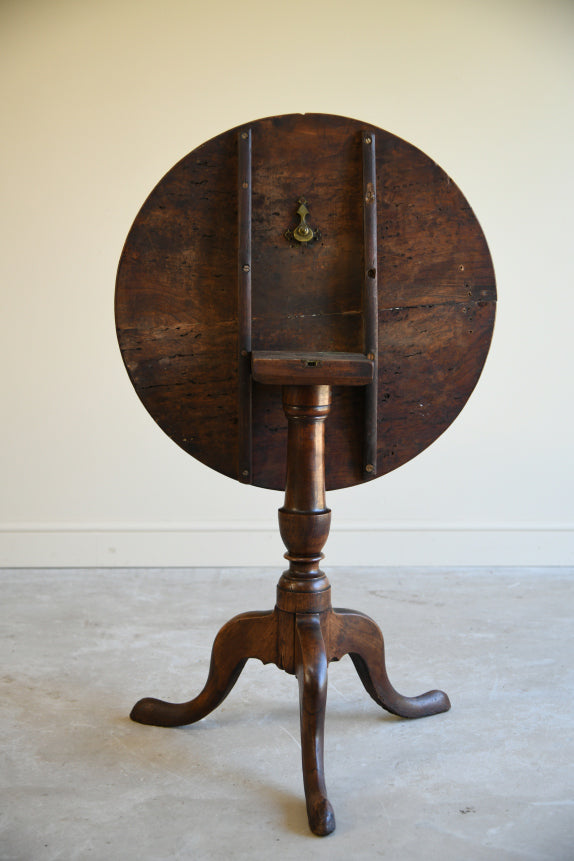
(248, 543)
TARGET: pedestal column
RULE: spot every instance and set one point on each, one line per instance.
(304, 519)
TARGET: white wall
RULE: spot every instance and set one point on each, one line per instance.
(101, 97)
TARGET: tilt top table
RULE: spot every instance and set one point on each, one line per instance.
(304, 303)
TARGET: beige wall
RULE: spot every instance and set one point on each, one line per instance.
(101, 97)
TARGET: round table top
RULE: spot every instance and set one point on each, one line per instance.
(177, 308)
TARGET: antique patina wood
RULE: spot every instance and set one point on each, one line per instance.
(304, 303)
(179, 324)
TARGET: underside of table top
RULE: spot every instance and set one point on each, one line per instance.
(178, 295)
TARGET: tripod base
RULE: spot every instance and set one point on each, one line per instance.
(301, 636)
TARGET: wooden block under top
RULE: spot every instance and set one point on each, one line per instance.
(284, 368)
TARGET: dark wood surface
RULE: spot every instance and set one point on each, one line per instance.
(177, 294)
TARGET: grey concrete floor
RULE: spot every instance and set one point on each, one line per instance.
(491, 779)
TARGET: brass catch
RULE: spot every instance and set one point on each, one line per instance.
(303, 232)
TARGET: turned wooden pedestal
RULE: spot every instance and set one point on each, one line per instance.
(303, 633)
